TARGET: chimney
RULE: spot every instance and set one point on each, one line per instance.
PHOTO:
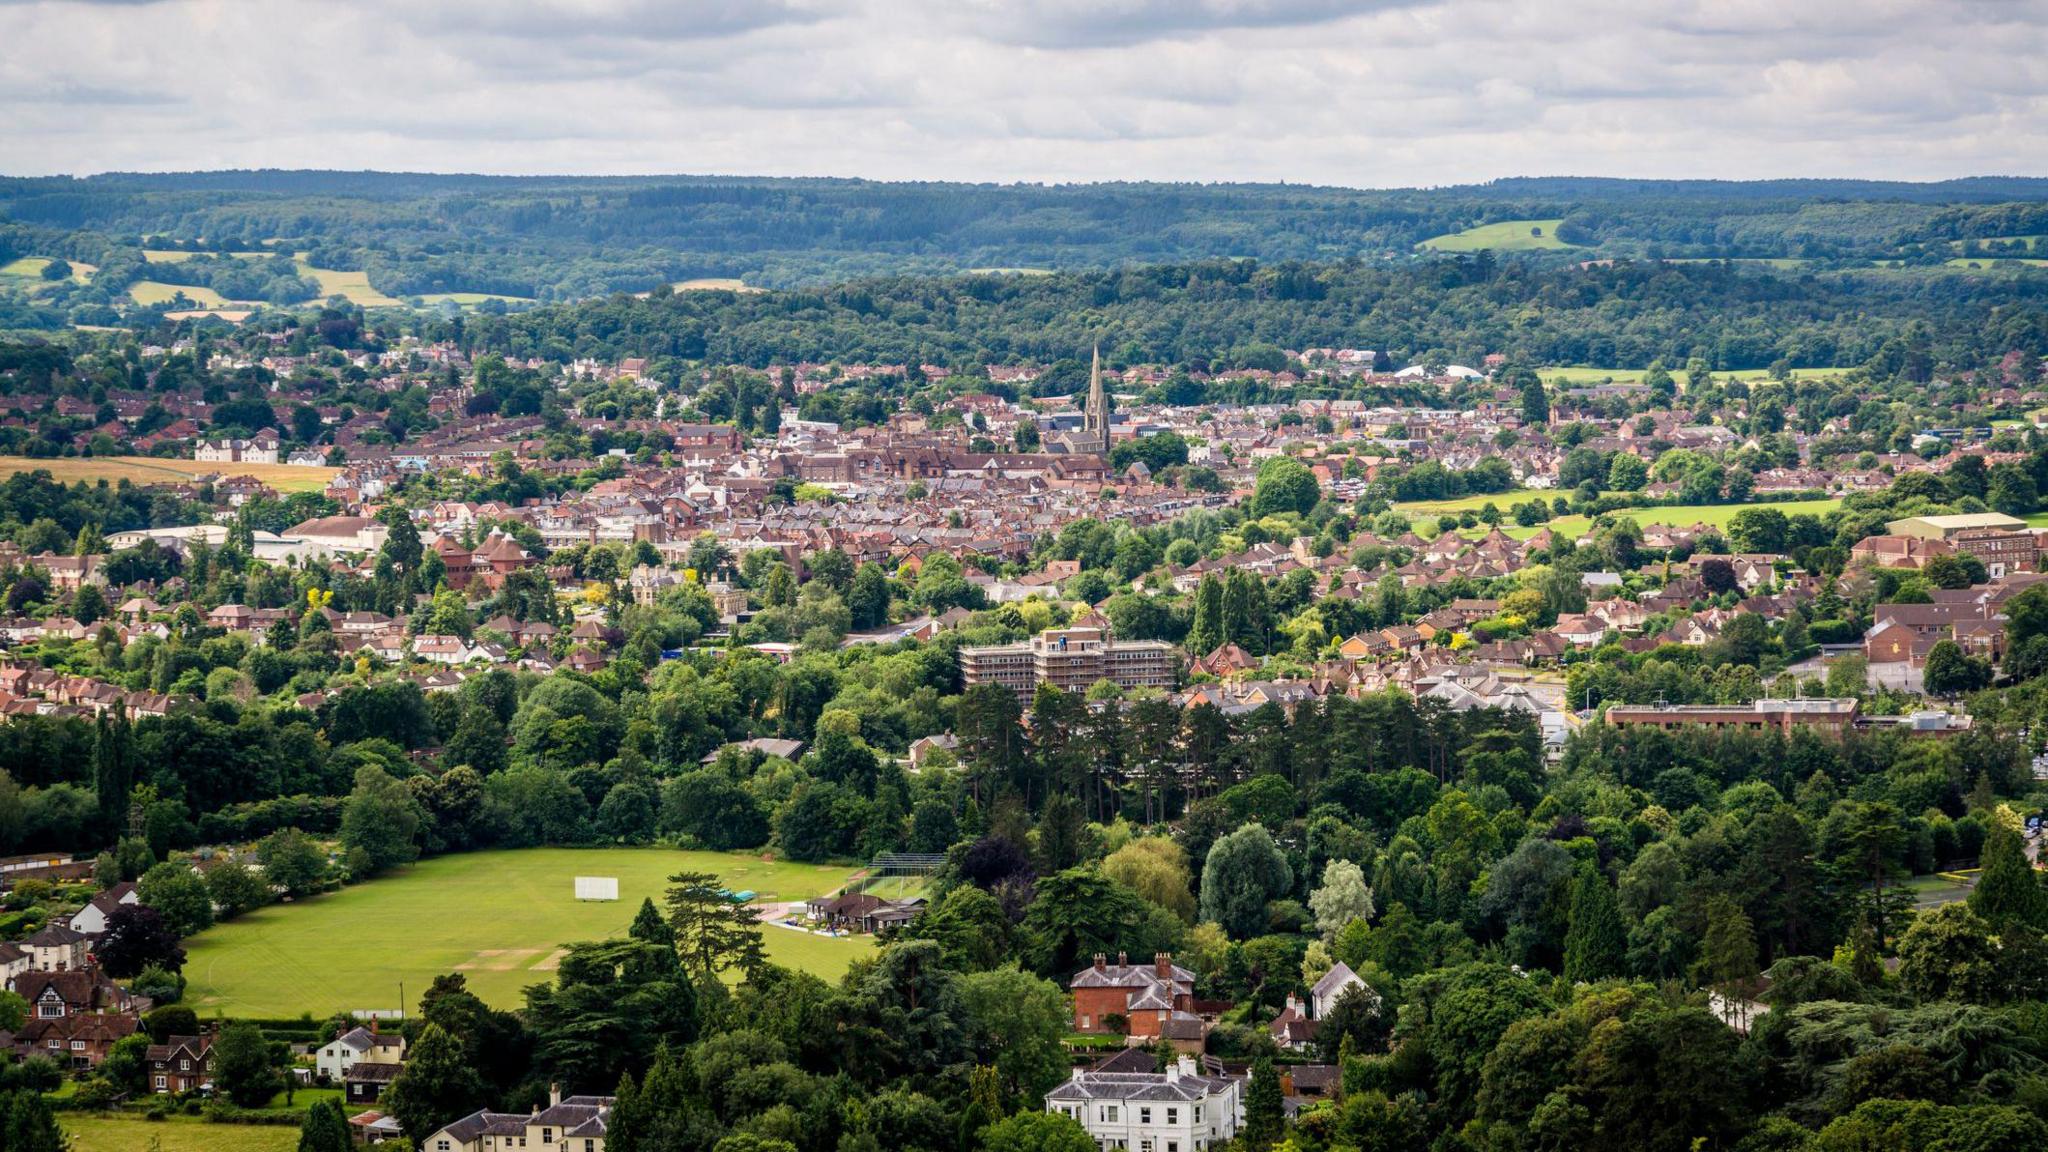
(1174, 1071)
(554, 1093)
(1293, 1005)
(373, 1025)
(1123, 960)
(1163, 963)
(1099, 960)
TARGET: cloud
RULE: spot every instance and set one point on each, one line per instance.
(1372, 93)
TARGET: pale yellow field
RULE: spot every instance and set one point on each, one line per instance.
(176, 256)
(155, 292)
(470, 299)
(153, 470)
(353, 285)
(30, 268)
(713, 284)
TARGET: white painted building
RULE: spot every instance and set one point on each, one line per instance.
(1178, 1110)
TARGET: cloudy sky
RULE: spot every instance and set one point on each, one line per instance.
(1359, 92)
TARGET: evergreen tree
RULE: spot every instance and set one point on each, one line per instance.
(1596, 944)
(113, 774)
(2007, 890)
(437, 1085)
(712, 933)
(30, 1125)
(1728, 951)
(1206, 634)
(325, 1129)
(1264, 1108)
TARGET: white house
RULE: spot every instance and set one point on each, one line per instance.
(1339, 979)
(91, 920)
(1178, 1110)
(355, 1046)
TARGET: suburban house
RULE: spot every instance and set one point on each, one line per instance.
(56, 948)
(91, 920)
(1151, 1000)
(1178, 1110)
(365, 1082)
(358, 1045)
(575, 1124)
(1292, 1029)
(184, 1064)
(1338, 980)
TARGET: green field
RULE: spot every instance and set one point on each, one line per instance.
(1425, 512)
(1573, 374)
(470, 299)
(1995, 263)
(182, 1134)
(353, 285)
(29, 270)
(497, 917)
(1504, 236)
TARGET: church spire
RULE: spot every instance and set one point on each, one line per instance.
(1095, 418)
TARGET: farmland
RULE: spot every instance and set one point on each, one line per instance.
(353, 285)
(146, 292)
(156, 470)
(183, 1134)
(497, 917)
(1502, 236)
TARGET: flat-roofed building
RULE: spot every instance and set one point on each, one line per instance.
(1833, 715)
(1072, 659)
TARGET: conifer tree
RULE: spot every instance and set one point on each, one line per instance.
(1264, 1108)
(2007, 890)
(1596, 944)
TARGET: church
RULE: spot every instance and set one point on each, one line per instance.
(1092, 439)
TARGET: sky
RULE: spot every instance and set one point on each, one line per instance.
(1365, 93)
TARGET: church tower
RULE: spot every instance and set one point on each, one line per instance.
(1095, 418)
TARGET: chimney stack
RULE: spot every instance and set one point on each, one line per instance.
(554, 1093)
(1162, 962)
(1123, 960)
(1100, 959)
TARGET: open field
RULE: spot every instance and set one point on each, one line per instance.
(29, 270)
(353, 285)
(497, 917)
(156, 292)
(1573, 374)
(180, 1134)
(1504, 236)
(177, 256)
(1677, 515)
(470, 299)
(714, 284)
(1996, 263)
(153, 470)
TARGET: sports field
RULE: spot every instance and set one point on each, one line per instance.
(497, 917)
(180, 1134)
(155, 470)
(1502, 236)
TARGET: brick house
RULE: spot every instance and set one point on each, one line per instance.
(185, 1064)
(1154, 1000)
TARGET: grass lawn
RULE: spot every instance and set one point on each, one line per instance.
(353, 285)
(180, 1134)
(497, 917)
(1677, 515)
(154, 470)
(1504, 236)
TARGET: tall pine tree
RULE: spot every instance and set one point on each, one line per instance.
(1596, 945)
(113, 774)
(1206, 634)
(1264, 1107)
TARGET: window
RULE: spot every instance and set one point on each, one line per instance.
(1173, 1117)
(162, 1083)
(184, 1065)
(1144, 1115)
(1173, 1146)
(1109, 1113)
(50, 1011)
(547, 1135)
(440, 1146)
(78, 1045)
(1198, 1113)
